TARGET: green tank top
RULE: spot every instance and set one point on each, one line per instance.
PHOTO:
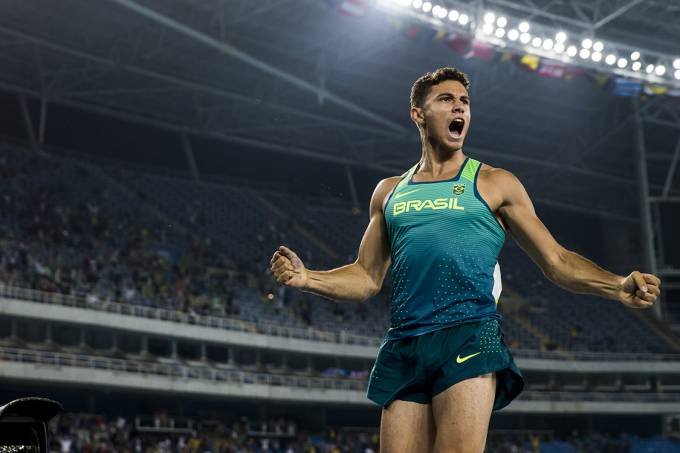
(444, 243)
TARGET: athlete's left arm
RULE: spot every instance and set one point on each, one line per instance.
(563, 267)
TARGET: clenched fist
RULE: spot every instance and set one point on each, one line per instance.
(288, 269)
(640, 290)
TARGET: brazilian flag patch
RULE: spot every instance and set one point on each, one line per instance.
(459, 189)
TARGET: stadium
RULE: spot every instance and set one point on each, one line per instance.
(155, 153)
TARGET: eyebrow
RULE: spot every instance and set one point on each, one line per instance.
(464, 96)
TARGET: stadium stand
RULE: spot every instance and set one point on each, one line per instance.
(147, 239)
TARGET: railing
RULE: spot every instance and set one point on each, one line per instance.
(176, 371)
(217, 376)
(601, 396)
(216, 322)
(278, 330)
(596, 356)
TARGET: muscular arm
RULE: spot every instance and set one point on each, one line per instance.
(356, 281)
(563, 267)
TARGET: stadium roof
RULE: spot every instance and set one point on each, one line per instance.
(302, 78)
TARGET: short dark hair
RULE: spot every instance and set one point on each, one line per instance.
(421, 87)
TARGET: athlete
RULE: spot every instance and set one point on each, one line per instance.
(443, 367)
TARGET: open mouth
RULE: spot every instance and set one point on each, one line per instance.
(456, 127)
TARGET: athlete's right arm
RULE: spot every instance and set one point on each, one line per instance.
(357, 281)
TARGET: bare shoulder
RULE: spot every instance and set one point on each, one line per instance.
(382, 191)
(500, 178)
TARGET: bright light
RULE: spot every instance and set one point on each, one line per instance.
(584, 53)
(463, 19)
(611, 59)
(536, 42)
(598, 46)
(502, 22)
(622, 63)
(489, 17)
(417, 3)
(559, 47)
(572, 51)
(453, 15)
(636, 66)
(487, 29)
(649, 69)
(635, 56)
(524, 38)
(439, 11)
(676, 63)
(596, 56)
(513, 35)
(524, 27)
(500, 32)
(561, 36)
(677, 74)
(548, 44)
(427, 6)
(587, 43)
(660, 70)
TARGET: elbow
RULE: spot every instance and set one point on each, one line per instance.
(370, 290)
(554, 264)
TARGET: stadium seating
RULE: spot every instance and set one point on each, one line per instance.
(118, 234)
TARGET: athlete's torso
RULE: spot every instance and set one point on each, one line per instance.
(444, 243)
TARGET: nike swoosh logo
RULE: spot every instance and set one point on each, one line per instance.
(399, 195)
(460, 359)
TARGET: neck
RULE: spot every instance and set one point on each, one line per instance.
(436, 159)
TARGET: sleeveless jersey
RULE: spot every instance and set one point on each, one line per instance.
(444, 243)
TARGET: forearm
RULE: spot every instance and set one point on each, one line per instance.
(578, 274)
(350, 282)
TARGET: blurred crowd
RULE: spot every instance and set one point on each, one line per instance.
(76, 433)
(80, 433)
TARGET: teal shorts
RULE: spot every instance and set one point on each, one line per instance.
(418, 368)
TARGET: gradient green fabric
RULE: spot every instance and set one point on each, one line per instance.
(444, 243)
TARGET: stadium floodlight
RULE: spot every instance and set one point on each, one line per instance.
(559, 47)
(548, 44)
(524, 38)
(442, 12)
(587, 43)
(502, 22)
(596, 56)
(487, 28)
(636, 66)
(536, 42)
(622, 63)
(598, 46)
(584, 53)
(427, 6)
(677, 74)
(649, 69)
(676, 63)
(524, 27)
(463, 19)
(572, 51)
(489, 17)
(500, 32)
(435, 10)
(635, 56)
(453, 15)
(561, 36)
(611, 59)
(513, 34)
(417, 4)
(660, 70)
